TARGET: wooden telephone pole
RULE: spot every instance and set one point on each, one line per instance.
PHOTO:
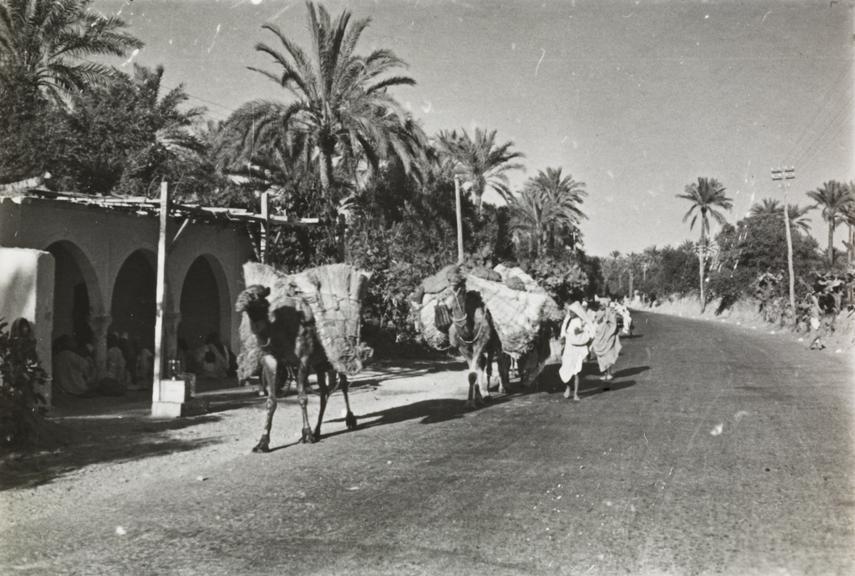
(783, 176)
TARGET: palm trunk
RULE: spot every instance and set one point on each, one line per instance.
(850, 248)
(631, 286)
(326, 174)
(830, 245)
(702, 256)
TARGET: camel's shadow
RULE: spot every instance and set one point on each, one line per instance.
(425, 411)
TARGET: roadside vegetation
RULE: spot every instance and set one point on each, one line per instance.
(339, 145)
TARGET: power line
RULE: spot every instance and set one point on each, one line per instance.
(829, 129)
(797, 143)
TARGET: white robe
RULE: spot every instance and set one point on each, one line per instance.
(575, 348)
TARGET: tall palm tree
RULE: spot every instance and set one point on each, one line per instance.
(547, 207)
(849, 218)
(45, 45)
(707, 196)
(564, 195)
(833, 198)
(341, 110)
(797, 214)
(482, 162)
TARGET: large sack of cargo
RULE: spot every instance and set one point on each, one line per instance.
(334, 293)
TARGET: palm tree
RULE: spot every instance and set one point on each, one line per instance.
(849, 216)
(481, 161)
(706, 195)
(564, 196)
(797, 214)
(767, 207)
(546, 208)
(341, 111)
(798, 217)
(45, 45)
(834, 198)
(157, 136)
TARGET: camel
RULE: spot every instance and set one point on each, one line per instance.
(474, 335)
(287, 337)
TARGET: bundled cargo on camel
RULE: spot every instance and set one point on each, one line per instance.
(519, 317)
(334, 293)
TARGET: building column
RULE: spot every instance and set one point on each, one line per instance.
(100, 325)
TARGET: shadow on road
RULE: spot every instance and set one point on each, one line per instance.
(426, 411)
(590, 385)
(626, 372)
(76, 442)
(395, 371)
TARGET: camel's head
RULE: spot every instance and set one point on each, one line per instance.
(254, 302)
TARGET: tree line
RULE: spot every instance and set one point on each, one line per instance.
(339, 145)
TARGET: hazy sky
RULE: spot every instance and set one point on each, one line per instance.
(634, 98)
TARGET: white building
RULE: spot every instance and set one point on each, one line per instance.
(104, 255)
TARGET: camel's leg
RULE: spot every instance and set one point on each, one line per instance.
(504, 362)
(483, 382)
(269, 373)
(303, 399)
(488, 367)
(475, 380)
(325, 393)
(349, 419)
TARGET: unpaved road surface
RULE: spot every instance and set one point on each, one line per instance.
(717, 450)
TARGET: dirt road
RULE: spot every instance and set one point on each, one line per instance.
(717, 449)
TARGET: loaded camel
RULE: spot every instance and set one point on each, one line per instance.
(473, 334)
(287, 337)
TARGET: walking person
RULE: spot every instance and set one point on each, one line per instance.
(577, 332)
(606, 344)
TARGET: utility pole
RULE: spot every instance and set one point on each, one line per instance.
(160, 296)
(783, 177)
(459, 219)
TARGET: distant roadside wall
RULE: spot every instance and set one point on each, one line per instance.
(26, 291)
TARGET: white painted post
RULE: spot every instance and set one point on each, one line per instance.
(459, 220)
(159, 292)
(265, 226)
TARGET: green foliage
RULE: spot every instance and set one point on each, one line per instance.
(129, 136)
(339, 101)
(562, 277)
(20, 375)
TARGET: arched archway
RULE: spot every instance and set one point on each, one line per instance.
(134, 299)
(204, 302)
(76, 296)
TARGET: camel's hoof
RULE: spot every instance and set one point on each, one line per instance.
(350, 421)
(308, 436)
(263, 446)
(567, 393)
(470, 405)
(576, 399)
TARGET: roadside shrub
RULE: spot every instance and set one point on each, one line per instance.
(20, 377)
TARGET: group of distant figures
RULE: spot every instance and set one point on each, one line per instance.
(129, 366)
(827, 295)
(591, 329)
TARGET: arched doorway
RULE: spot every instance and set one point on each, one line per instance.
(76, 298)
(204, 303)
(134, 300)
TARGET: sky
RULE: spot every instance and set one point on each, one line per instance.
(634, 98)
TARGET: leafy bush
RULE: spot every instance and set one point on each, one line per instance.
(20, 376)
(563, 278)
